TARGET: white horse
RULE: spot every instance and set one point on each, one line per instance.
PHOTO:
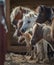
(41, 37)
(29, 20)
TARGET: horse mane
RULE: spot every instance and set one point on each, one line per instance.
(17, 9)
(38, 32)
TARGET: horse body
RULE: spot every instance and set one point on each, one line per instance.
(43, 34)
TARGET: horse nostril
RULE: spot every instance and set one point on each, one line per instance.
(22, 30)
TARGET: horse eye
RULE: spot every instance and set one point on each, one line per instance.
(28, 21)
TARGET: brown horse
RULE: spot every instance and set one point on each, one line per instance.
(42, 32)
(26, 38)
(45, 14)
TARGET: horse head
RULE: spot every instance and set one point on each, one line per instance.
(28, 21)
(44, 13)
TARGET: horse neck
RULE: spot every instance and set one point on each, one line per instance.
(27, 39)
(39, 34)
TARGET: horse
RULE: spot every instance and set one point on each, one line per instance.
(30, 16)
(26, 37)
(28, 21)
(17, 14)
(45, 13)
(42, 32)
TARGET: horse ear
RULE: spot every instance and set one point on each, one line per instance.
(20, 8)
(31, 15)
(37, 25)
(42, 7)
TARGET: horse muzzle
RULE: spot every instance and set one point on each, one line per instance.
(23, 30)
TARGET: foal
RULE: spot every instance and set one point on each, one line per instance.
(42, 32)
(26, 37)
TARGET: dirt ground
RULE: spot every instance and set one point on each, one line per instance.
(16, 59)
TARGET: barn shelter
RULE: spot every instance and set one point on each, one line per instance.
(7, 42)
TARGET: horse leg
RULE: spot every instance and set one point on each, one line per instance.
(50, 53)
(40, 54)
(45, 51)
(32, 55)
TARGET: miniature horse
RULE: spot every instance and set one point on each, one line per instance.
(31, 16)
(43, 32)
(45, 13)
(26, 38)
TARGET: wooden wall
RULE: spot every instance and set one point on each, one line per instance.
(31, 3)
